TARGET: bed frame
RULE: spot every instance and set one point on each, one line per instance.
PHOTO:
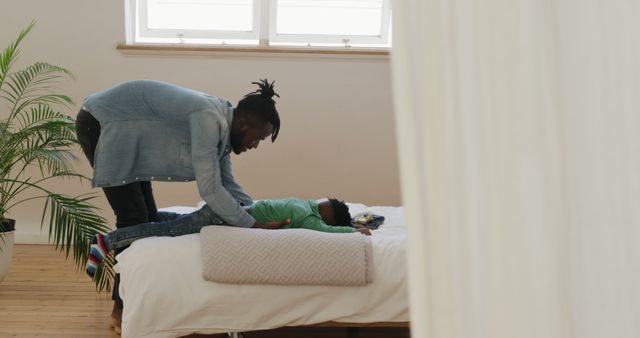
(353, 329)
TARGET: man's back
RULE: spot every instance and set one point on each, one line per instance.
(147, 99)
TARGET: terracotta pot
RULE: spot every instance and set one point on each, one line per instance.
(6, 245)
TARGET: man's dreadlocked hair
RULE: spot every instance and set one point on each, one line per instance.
(262, 104)
(341, 213)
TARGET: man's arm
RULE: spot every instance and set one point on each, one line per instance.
(205, 137)
(229, 182)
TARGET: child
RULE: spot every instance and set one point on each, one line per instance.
(328, 216)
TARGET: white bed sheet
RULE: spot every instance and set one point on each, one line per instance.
(165, 295)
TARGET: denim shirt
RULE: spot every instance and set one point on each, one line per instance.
(155, 131)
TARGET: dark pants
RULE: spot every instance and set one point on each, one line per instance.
(132, 203)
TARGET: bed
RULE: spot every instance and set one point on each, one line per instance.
(165, 295)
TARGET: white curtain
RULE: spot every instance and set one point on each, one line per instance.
(518, 127)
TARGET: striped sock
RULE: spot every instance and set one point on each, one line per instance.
(99, 249)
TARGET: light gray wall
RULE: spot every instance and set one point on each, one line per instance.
(337, 136)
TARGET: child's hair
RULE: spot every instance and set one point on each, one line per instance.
(262, 104)
(341, 213)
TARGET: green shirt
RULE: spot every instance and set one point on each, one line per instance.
(303, 214)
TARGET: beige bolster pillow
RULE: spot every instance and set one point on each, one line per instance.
(285, 257)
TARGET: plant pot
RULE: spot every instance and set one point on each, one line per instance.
(6, 245)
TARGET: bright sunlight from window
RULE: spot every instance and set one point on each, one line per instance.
(356, 17)
(229, 15)
(363, 23)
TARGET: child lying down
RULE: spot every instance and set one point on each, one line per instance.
(328, 215)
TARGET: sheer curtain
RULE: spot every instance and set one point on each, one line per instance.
(519, 140)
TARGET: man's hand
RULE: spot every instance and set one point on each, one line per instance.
(364, 231)
(271, 225)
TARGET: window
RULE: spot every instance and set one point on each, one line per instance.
(358, 23)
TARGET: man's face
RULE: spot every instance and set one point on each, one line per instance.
(250, 134)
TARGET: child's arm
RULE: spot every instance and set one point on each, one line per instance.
(318, 225)
(363, 230)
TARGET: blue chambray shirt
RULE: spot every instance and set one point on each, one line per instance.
(155, 131)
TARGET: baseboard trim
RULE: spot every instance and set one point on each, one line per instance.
(31, 237)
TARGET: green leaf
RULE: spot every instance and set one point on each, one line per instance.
(35, 134)
(10, 54)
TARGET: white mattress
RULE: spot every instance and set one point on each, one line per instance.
(165, 295)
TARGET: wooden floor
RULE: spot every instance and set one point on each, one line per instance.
(44, 296)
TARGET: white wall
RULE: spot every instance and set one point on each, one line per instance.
(337, 136)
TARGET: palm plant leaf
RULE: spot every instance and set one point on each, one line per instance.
(63, 213)
(104, 274)
(32, 85)
(72, 222)
(47, 143)
(39, 114)
(16, 185)
(43, 138)
(10, 54)
(35, 135)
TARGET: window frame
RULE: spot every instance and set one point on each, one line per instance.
(264, 30)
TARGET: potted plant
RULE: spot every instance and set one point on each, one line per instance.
(7, 227)
(36, 147)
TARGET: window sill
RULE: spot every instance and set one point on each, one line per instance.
(249, 51)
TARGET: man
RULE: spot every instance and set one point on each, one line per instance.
(143, 131)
